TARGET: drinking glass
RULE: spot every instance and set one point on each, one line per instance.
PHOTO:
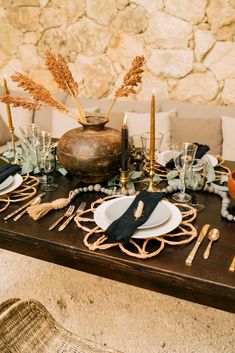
(30, 134)
(145, 139)
(184, 154)
(196, 180)
(136, 151)
(46, 157)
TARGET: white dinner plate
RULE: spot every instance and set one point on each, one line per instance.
(164, 156)
(6, 182)
(117, 207)
(17, 181)
(172, 223)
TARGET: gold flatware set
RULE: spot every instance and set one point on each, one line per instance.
(68, 215)
(25, 206)
(213, 235)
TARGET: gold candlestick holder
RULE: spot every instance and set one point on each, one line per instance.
(15, 161)
(151, 187)
(123, 180)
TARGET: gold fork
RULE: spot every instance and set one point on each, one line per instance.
(80, 208)
(68, 213)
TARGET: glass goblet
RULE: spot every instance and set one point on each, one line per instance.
(145, 139)
(47, 165)
(136, 151)
(30, 134)
(196, 180)
(184, 154)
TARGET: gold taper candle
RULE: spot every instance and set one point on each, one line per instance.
(152, 129)
(10, 123)
(9, 117)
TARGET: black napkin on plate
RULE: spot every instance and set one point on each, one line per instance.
(123, 228)
(8, 169)
(201, 150)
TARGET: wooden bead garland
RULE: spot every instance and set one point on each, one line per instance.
(168, 190)
(225, 202)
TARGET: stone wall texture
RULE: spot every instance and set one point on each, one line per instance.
(189, 45)
(190, 56)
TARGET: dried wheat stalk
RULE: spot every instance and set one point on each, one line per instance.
(20, 102)
(40, 96)
(64, 79)
(131, 80)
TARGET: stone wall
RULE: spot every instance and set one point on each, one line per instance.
(188, 44)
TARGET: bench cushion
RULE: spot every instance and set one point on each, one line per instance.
(203, 130)
(228, 130)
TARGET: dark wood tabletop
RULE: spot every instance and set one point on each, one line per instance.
(208, 282)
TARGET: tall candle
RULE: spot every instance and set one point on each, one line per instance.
(152, 129)
(125, 152)
(6, 92)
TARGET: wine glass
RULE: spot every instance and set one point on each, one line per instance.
(184, 154)
(136, 151)
(30, 134)
(46, 157)
(145, 139)
(196, 180)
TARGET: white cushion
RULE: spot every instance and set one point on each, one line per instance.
(20, 117)
(140, 122)
(4, 133)
(228, 130)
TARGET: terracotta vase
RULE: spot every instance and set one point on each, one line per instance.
(231, 184)
(93, 151)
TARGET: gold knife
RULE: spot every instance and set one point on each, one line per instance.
(201, 236)
(23, 206)
(81, 208)
(36, 201)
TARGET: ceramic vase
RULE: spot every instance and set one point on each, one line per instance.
(93, 151)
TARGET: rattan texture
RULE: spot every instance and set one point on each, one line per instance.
(95, 238)
(27, 327)
(24, 192)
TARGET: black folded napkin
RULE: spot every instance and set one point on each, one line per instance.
(123, 228)
(8, 169)
(201, 150)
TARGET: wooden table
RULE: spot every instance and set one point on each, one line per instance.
(207, 282)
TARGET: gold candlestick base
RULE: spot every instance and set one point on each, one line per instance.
(124, 180)
(151, 187)
(15, 161)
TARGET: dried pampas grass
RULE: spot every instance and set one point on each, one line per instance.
(62, 75)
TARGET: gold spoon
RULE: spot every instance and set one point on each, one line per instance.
(213, 235)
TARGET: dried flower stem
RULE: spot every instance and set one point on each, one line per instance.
(77, 103)
(64, 79)
(132, 78)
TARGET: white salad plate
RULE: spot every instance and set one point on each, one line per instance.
(6, 182)
(17, 181)
(117, 207)
(164, 156)
(164, 228)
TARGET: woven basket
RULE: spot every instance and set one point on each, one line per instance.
(27, 327)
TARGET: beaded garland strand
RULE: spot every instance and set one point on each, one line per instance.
(168, 190)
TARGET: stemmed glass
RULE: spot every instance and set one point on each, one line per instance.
(184, 154)
(196, 180)
(149, 166)
(46, 159)
(30, 134)
(136, 151)
(145, 139)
